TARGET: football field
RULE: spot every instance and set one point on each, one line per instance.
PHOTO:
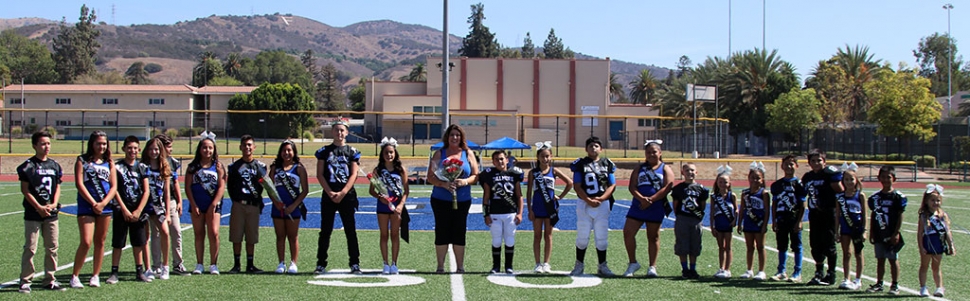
(417, 262)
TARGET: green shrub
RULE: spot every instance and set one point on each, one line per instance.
(31, 128)
(51, 130)
(318, 135)
(16, 131)
(925, 161)
(172, 133)
(308, 135)
(153, 68)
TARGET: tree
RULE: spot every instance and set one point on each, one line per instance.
(310, 63)
(757, 79)
(511, 53)
(275, 67)
(98, 78)
(75, 47)
(860, 67)
(357, 96)
(232, 65)
(136, 74)
(25, 59)
(418, 74)
(273, 97)
(208, 68)
(644, 88)
(794, 112)
(616, 90)
(932, 55)
(903, 105)
(683, 65)
(225, 80)
(829, 81)
(553, 47)
(480, 42)
(528, 49)
(329, 95)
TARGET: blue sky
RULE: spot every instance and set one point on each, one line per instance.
(642, 31)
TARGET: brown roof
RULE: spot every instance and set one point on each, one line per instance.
(225, 89)
(126, 88)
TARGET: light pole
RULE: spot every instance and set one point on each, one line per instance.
(445, 70)
(949, 62)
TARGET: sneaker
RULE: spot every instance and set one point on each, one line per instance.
(355, 269)
(894, 289)
(795, 278)
(509, 271)
(939, 292)
(179, 269)
(924, 292)
(727, 274)
(281, 268)
(652, 272)
(817, 280)
(829, 279)
(546, 268)
(149, 274)
(603, 270)
(856, 285)
(198, 269)
(685, 274)
(846, 284)
(54, 286)
(779, 277)
(165, 273)
(292, 269)
(214, 269)
(494, 271)
(112, 279)
(538, 268)
(387, 269)
(761, 276)
(76, 282)
(578, 269)
(394, 270)
(142, 278)
(234, 270)
(320, 270)
(95, 281)
(253, 270)
(694, 275)
(632, 268)
(719, 274)
(747, 275)
(875, 288)
(25, 288)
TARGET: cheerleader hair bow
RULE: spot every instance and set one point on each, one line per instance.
(724, 170)
(658, 142)
(849, 166)
(758, 166)
(208, 135)
(543, 145)
(930, 188)
(389, 141)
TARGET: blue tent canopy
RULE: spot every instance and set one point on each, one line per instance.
(471, 145)
(506, 143)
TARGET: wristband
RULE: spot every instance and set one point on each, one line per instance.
(485, 210)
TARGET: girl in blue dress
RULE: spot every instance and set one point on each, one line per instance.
(724, 214)
(649, 184)
(934, 237)
(755, 204)
(390, 207)
(543, 203)
(290, 179)
(206, 182)
(96, 187)
(852, 225)
(159, 175)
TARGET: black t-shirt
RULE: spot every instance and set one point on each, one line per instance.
(336, 164)
(243, 183)
(818, 188)
(692, 199)
(788, 195)
(502, 185)
(887, 209)
(43, 178)
(593, 177)
(130, 182)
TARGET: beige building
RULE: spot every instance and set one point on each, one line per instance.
(526, 99)
(69, 108)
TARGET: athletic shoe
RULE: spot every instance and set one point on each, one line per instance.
(719, 274)
(394, 270)
(281, 268)
(846, 284)
(292, 269)
(142, 278)
(25, 288)
(494, 271)
(94, 281)
(578, 269)
(747, 275)
(509, 271)
(652, 272)
(939, 292)
(387, 269)
(198, 269)
(894, 289)
(54, 286)
(694, 275)
(632, 268)
(76, 282)
(761, 276)
(149, 274)
(829, 279)
(795, 278)
(604, 270)
(779, 277)
(355, 269)
(727, 274)
(817, 280)
(685, 274)
(214, 269)
(546, 268)
(253, 270)
(179, 269)
(924, 292)
(112, 279)
(538, 268)
(857, 284)
(165, 273)
(234, 270)
(875, 288)
(320, 270)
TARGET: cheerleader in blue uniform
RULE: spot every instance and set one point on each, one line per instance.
(754, 206)
(852, 225)
(543, 203)
(391, 214)
(95, 181)
(724, 214)
(290, 178)
(649, 184)
(934, 237)
(206, 182)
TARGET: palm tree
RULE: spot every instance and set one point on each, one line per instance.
(860, 68)
(207, 68)
(644, 88)
(616, 89)
(232, 64)
(418, 74)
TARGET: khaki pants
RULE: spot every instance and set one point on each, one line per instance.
(48, 229)
(175, 236)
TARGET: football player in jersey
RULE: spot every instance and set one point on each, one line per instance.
(40, 183)
(502, 207)
(821, 185)
(887, 207)
(247, 203)
(337, 166)
(595, 183)
(788, 207)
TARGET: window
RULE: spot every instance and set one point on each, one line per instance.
(16, 101)
(156, 101)
(33, 120)
(62, 101)
(437, 109)
(646, 122)
(17, 123)
(109, 123)
(109, 101)
(160, 123)
(429, 109)
(62, 122)
(418, 109)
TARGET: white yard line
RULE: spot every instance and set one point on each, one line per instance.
(457, 285)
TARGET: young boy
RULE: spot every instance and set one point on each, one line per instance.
(40, 183)
(337, 166)
(690, 200)
(130, 218)
(789, 209)
(174, 214)
(821, 185)
(502, 206)
(887, 208)
(247, 203)
(596, 183)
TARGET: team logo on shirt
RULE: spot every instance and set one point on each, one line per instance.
(339, 168)
(209, 179)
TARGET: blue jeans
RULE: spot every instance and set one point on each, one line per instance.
(795, 237)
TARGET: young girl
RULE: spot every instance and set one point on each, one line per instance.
(754, 205)
(649, 185)
(206, 180)
(724, 206)
(159, 175)
(934, 238)
(130, 217)
(502, 207)
(391, 210)
(544, 211)
(852, 221)
(96, 187)
(290, 178)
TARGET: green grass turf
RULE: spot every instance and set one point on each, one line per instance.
(419, 256)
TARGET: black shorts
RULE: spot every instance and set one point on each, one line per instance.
(135, 231)
(450, 225)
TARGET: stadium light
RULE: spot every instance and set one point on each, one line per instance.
(949, 62)
(445, 60)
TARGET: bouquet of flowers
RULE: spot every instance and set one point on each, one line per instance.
(449, 170)
(270, 189)
(381, 189)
